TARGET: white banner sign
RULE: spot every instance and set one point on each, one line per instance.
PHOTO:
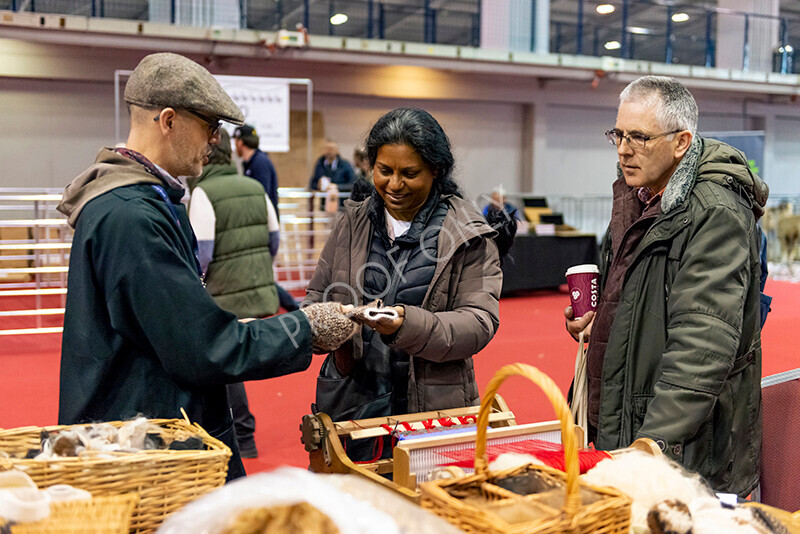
(265, 104)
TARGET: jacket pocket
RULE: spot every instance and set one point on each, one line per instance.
(639, 405)
(710, 451)
(731, 418)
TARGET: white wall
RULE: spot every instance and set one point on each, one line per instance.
(572, 155)
(784, 148)
(55, 129)
(486, 137)
(51, 130)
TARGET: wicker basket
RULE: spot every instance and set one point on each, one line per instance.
(101, 515)
(165, 480)
(545, 500)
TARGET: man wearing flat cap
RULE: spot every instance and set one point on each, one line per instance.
(141, 333)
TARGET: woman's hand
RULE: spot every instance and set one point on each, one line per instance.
(387, 326)
(575, 326)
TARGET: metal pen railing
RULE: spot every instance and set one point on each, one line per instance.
(305, 227)
(35, 242)
(34, 257)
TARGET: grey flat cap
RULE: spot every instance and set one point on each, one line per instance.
(171, 80)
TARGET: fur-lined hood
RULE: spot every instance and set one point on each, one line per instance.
(709, 159)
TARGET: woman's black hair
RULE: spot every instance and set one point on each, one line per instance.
(418, 129)
(362, 189)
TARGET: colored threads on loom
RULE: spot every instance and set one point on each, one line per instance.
(550, 454)
(403, 430)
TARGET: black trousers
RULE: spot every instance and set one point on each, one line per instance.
(235, 465)
(286, 300)
(243, 421)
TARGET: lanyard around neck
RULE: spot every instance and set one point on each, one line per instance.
(174, 213)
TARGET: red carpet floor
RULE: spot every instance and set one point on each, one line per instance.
(532, 331)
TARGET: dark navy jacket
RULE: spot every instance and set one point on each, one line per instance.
(261, 168)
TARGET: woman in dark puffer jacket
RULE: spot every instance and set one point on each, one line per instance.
(417, 245)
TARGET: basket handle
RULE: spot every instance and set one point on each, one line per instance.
(556, 398)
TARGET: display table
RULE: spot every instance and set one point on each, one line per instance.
(539, 262)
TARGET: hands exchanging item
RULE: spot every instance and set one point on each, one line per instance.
(385, 321)
(332, 324)
(575, 326)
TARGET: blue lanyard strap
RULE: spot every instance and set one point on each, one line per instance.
(174, 213)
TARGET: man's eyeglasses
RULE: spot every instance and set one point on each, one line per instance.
(635, 140)
(213, 125)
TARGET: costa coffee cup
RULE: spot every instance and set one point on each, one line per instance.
(582, 281)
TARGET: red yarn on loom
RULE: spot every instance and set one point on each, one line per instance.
(550, 454)
(587, 459)
(379, 444)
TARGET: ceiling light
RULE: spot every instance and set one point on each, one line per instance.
(680, 17)
(604, 9)
(339, 18)
(639, 30)
(612, 45)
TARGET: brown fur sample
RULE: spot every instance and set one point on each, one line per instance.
(290, 519)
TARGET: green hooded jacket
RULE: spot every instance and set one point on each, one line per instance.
(683, 361)
(141, 333)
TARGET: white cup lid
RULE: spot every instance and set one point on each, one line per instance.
(585, 268)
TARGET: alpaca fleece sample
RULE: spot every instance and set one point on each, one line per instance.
(288, 519)
(664, 480)
(707, 515)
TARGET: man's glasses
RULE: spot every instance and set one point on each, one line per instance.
(635, 140)
(213, 125)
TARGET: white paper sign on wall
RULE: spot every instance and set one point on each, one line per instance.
(265, 104)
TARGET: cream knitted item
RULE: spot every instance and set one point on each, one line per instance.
(330, 328)
(371, 312)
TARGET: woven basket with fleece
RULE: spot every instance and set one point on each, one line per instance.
(164, 480)
(528, 498)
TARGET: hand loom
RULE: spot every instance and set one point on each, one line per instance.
(428, 443)
(321, 437)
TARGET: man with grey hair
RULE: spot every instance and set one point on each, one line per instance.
(141, 333)
(675, 345)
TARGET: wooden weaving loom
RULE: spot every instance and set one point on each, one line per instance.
(428, 442)
(429, 439)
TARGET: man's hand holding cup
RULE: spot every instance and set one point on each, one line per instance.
(584, 294)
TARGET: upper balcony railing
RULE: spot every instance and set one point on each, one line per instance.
(678, 33)
(673, 33)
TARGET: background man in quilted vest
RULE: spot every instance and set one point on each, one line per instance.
(237, 235)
